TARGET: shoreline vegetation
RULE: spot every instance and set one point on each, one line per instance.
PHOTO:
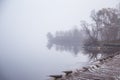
(100, 37)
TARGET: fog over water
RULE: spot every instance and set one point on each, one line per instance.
(23, 28)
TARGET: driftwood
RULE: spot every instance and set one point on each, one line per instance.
(67, 72)
(56, 76)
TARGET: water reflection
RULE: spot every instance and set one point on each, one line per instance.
(71, 41)
(99, 51)
(75, 49)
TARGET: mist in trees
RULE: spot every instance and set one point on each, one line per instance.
(66, 40)
(104, 28)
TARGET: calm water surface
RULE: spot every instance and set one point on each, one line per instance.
(23, 51)
(27, 61)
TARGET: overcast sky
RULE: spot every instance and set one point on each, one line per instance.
(25, 23)
(49, 15)
(32, 19)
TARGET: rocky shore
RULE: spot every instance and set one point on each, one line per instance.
(107, 68)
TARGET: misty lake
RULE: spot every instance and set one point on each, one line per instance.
(24, 24)
(23, 60)
(23, 44)
(32, 60)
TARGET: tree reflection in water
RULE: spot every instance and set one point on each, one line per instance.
(100, 51)
(71, 41)
(75, 49)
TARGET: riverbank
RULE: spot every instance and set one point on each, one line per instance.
(103, 69)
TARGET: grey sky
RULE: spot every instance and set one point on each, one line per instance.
(49, 15)
(31, 19)
(25, 23)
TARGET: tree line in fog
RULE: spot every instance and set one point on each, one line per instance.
(71, 37)
(70, 40)
(104, 27)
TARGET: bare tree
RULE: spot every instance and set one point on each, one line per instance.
(106, 23)
(105, 26)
